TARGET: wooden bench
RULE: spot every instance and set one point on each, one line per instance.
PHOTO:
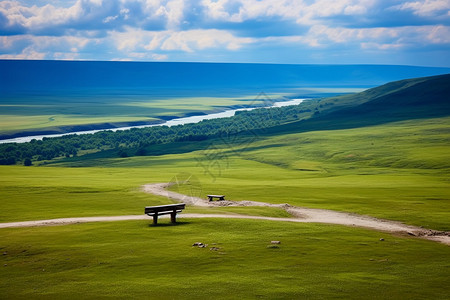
(219, 197)
(171, 209)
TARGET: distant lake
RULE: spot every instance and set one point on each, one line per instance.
(174, 122)
(21, 76)
(50, 97)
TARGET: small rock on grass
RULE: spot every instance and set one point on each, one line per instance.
(273, 246)
(275, 242)
(200, 245)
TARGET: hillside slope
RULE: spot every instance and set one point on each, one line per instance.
(409, 99)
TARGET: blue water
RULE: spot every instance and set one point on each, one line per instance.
(173, 122)
(106, 85)
(21, 77)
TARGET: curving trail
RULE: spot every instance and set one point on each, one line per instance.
(300, 215)
(308, 215)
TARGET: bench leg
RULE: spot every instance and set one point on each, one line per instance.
(155, 219)
(173, 217)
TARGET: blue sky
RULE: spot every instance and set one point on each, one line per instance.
(267, 31)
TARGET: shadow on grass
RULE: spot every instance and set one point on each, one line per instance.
(168, 224)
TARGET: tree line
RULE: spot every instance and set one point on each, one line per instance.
(138, 141)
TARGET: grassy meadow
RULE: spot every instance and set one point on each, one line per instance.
(135, 260)
(397, 171)
(56, 112)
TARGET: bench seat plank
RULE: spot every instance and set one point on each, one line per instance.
(220, 197)
(172, 209)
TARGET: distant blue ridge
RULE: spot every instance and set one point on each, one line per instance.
(24, 76)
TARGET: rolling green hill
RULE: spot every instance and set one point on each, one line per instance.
(418, 98)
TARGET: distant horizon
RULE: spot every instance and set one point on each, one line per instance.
(230, 62)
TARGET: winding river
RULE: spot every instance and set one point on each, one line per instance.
(173, 122)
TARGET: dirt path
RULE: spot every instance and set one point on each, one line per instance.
(307, 215)
(300, 215)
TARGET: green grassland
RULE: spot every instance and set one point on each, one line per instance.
(396, 171)
(53, 113)
(14, 123)
(43, 193)
(135, 260)
(336, 169)
(392, 168)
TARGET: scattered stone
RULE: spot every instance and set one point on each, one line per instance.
(411, 233)
(275, 242)
(273, 247)
(5, 265)
(5, 253)
(214, 249)
(200, 245)
(381, 239)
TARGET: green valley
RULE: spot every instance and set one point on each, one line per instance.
(382, 153)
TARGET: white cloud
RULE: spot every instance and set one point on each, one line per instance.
(35, 17)
(426, 7)
(437, 34)
(148, 55)
(201, 39)
(163, 29)
(110, 19)
(174, 13)
(383, 47)
(187, 41)
(160, 56)
(143, 56)
(130, 39)
(125, 12)
(379, 38)
(303, 12)
(40, 47)
(65, 56)
(83, 14)
(251, 9)
(27, 53)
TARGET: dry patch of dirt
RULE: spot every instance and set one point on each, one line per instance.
(299, 214)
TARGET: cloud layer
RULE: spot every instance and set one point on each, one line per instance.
(285, 31)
